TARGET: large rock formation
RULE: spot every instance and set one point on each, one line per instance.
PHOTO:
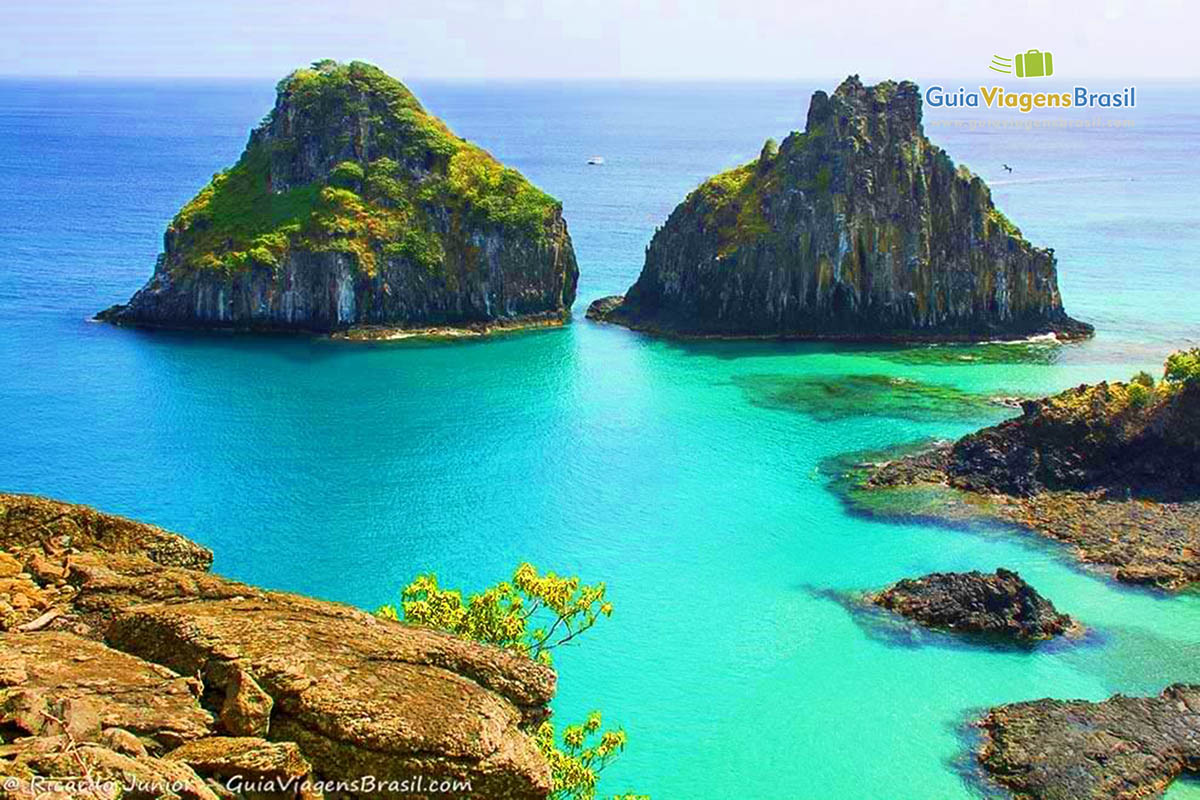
(858, 228)
(1124, 747)
(1001, 605)
(139, 664)
(1112, 469)
(353, 207)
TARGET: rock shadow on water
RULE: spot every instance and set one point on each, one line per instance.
(965, 761)
(827, 398)
(895, 631)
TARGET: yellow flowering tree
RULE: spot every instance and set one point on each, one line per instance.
(532, 614)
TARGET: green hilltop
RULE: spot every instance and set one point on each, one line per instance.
(403, 185)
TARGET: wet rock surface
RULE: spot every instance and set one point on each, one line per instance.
(1119, 482)
(1123, 747)
(858, 228)
(171, 674)
(1000, 604)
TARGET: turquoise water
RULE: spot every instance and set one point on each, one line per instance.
(341, 470)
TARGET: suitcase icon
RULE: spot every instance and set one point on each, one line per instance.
(1034, 64)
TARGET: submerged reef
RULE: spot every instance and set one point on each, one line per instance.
(832, 397)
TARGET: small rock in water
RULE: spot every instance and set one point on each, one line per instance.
(974, 602)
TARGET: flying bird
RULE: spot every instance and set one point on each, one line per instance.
(1007, 167)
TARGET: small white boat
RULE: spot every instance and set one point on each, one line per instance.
(596, 161)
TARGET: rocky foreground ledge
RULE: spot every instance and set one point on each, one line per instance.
(1112, 470)
(1001, 605)
(124, 659)
(1124, 747)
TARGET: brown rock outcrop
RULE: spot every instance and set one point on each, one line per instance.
(1122, 748)
(1001, 604)
(248, 763)
(28, 522)
(153, 664)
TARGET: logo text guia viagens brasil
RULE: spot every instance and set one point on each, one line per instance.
(1030, 64)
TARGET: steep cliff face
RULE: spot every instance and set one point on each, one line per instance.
(353, 206)
(857, 228)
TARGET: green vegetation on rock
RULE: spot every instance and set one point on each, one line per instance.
(235, 221)
(1130, 407)
(1183, 367)
(408, 190)
(732, 202)
(504, 615)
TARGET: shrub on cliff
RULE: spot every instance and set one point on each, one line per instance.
(531, 614)
(1137, 394)
(1183, 367)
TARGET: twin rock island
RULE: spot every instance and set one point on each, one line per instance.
(355, 212)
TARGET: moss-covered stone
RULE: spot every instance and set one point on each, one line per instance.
(352, 205)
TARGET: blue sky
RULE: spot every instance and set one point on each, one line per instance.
(564, 39)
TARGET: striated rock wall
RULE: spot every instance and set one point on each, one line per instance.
(161, 672)
(858, 228)
(326, 292)
(353, 206)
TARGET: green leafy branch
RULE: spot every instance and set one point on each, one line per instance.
(532, 614)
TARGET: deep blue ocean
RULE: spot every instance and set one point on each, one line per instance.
(686, 476)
